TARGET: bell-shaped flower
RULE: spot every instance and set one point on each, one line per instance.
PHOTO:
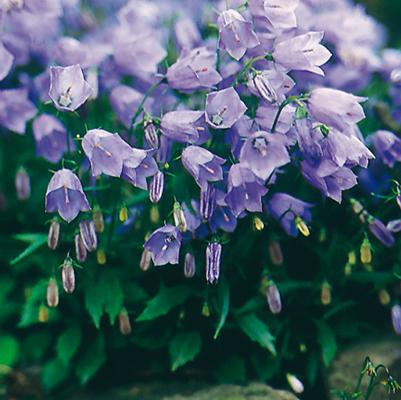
(387, 146)
(65, 195)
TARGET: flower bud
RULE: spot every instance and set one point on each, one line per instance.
(301, 226)
(123, 215)
(352, 258)
(325, 293)
(179, 217)
(189, 265)
(43, 315)
(206, 309)
(264, 88)
(54, 234)
(22, 184)
(154, 214)
(52, 293)
(80, 250)
(357, 207)
(384, 297)
(295, 384)
(124, 322)
(275, 253)
(101, 257)
(396, 318)
(366, 252)
(213, 256)
(68, 275)
(207, 202)
(273, 298)
(88, 234)
(146, 259)
(98, 219)
(258, 224)
(151, 137)
(156, 187)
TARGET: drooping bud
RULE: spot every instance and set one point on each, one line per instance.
(296, 385)
(275, 253)
(325, 293)
(384, 297)
(54, 234)
(396, 318)
(43, 315)
(98, 219)
(154, 214)
(206, 309)
(189, 265)
(213, 259)
(123, 215)
(258, 224)
(179, 217)
(273, 298)
(68, 275)
(151, 137)
(156, 187)
(207, 202)
(357, 207)
(80, 250)
(366, 252)
(22, 184)
(352, 258)
(52, 296)
(301, 226)
(264, 88)
(146, 260)
(124, 322)
(101, 257)
(88, 234)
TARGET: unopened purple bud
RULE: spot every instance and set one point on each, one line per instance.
(164, 152)
(396, 318)
(88, 234)
(68, 275)
(151, 137)
(398, 200)
(264, 88)
(394, 225)
(52, 296)
(156, 187)
(275, 252)
(54, 234)
(124, 322)
(22, 184)
(80, 250)
(146, 259)
(207, 202)
(189, 265)
(381, 232)
(213, 258)
(273, 298)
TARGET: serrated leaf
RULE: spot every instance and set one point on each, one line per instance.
(164, 301)
(91, 360)
(9, 350)
(327, 341)
(257, 331)
(224, 306)
(184, 347)
(39, 241)
(53, 373)
(68, 343)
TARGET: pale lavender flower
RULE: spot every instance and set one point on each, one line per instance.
(387, 146)
(187, 34)
(235, 34)
(70, 51)
(68, 88)
(336, 108)
(224, 108)
(65, 195)
(244, 190)
(266, 114)
(382, 233)
(7, 60)
(279, 14)
(203, 165)
(164, 245)
(303, 53)
(213, 260)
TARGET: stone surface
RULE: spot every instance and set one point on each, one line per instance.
(347, 365)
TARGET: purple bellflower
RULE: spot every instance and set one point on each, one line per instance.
(164, 245)
(387, 146)
(381, 232)
(7, 60)
(68, 88)
(65, 195)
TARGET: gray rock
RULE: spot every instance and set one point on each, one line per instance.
(346, 367)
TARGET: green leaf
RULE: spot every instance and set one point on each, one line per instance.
(9, 350)
(31, 308)
(164, 301)
(29, 237)
(224, 306)
(184, 347)
(327, 341)
(38, 241)
(257, 331)
(92, 359)
(54, 373)
(68, 343)
(94, 303)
